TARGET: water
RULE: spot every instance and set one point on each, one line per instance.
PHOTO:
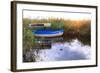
(59, 50)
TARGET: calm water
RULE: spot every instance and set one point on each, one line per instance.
(58, 50)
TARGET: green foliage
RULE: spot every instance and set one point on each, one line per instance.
(57, 25)
(27, 39)
(26, 22)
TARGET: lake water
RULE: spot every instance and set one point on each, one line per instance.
(59, 50)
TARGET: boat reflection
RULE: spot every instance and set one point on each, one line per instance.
(45, 43)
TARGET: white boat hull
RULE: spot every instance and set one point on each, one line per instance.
(49, 35)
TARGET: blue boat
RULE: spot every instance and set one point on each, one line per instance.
(48, 32)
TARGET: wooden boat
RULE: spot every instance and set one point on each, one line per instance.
(48, 32)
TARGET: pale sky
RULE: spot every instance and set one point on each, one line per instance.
(46, 15)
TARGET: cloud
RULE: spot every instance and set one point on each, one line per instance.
(66, 51)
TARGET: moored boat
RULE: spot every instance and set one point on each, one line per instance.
(48, 32)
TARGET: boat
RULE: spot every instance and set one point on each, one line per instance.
(48, 32)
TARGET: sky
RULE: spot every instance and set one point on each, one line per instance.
(48, 14)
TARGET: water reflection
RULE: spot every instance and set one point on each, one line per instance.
(57, 49)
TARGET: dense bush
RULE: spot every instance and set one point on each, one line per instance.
(27, 39)
(57, 25)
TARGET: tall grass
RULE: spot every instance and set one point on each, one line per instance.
(76, 26)
(71, 28)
